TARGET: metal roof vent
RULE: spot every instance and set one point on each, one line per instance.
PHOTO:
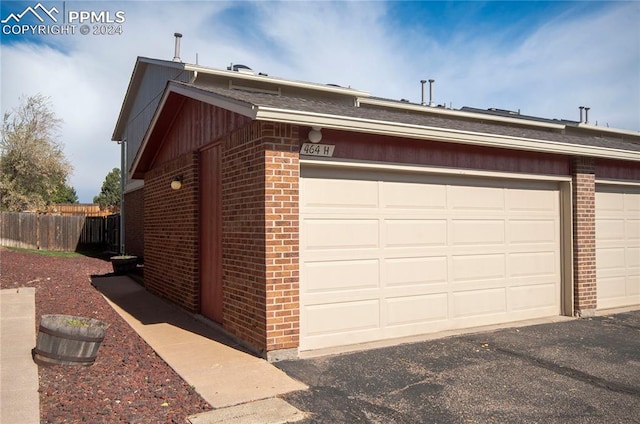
(243, 69)
(584, 109)
(431, 103)
(176, 55)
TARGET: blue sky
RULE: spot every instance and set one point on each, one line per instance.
(543, 58)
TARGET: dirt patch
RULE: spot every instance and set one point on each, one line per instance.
(128, 383)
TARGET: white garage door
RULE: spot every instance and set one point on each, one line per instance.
(617, 246)
(387, 255)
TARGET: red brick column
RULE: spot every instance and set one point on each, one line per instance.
(584, 237)
(282, 174)
(260, 237)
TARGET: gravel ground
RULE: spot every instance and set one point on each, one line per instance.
(128, 383)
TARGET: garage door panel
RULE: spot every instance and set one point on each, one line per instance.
(617, 245)
(533, 297)
(610, 229)
(344, 317)
(533, 264)
(415, 271)
(477, 232)
(476, 198)
(633, 258)
(612, 259)
(341, 275)
(414, 232)
(632, 201)
(332, 234)
(416, 309)
(633, 230)
(476, 303)
(400, 196)
(477, 267)
(613, 287)
(633, 286)
(532, 231)
(521, 200)
(338, 193)
(608, 201)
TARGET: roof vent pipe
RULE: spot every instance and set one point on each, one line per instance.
(423, 82)
(581, 110)
(586, 115)
(176, 56)
(431, 103)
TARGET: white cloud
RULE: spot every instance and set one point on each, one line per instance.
(575, 59)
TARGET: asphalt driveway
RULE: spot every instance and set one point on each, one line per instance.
(577, 371)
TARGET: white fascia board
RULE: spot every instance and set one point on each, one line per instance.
(460, 114)
(439, 134)
(614, 131)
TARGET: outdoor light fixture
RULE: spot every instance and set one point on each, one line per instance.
(315, 135)
(176, 184)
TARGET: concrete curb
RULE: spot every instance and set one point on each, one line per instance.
(19, 397)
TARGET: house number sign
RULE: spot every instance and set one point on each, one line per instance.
(312, 149)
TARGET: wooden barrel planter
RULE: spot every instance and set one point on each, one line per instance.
(124, 264)
(68, 340)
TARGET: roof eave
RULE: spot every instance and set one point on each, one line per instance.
(277, 81)
(439, 134)
(452, 113)
(184, 91)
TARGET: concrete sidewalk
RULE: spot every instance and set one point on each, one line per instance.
(227, 377)
(19, 397)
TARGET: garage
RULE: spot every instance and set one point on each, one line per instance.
(395, 253)
(618, 245)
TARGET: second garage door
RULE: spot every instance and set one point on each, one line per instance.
(391, 254)
(618, 245)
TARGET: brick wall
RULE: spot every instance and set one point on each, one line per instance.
(260, 235)
(134, 223)
(282, 175)
(584, 236)
(171, 232)
(243, 271)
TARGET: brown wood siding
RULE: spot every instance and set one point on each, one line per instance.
(377, 148)
(617, 170)
(198, 124)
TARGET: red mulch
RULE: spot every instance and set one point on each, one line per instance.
(128, 383)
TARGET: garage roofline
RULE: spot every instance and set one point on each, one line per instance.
(175, 93)
(439, 134)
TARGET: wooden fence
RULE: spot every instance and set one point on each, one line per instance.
(61, 233)
(78, 209)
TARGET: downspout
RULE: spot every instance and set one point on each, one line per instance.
(123, 180)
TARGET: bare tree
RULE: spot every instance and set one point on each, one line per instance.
(32, 163)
